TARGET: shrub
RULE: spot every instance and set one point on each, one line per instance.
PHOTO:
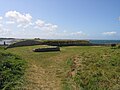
(11, 70)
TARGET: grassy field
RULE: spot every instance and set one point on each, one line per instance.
(73, 68)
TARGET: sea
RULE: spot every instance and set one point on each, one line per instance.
(105, 41)
(9, 41)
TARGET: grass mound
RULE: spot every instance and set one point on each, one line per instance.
(11, 71)
(94, 71)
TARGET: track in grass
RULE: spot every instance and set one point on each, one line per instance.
(48, 70)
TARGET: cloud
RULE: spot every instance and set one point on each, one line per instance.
(110, 33)
(1, 18)
(3, 30)
(119, 18)
(10, 22)
(25, 20)
(80, 33)
(40, 24)
(65, 35)
(50, 26)
(38, 28)
(21, 19)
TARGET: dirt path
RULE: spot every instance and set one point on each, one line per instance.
(45, 70)
(41, 79)
(47, 78)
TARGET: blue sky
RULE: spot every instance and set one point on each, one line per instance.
(60, 19)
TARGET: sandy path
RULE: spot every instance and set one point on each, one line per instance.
(42, 79)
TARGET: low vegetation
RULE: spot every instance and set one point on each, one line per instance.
(11, 71)
(73, 68)
(118, 46)
(97, 69)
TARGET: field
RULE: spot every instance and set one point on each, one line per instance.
(73, 68)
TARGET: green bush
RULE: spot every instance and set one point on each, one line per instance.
(11, 70)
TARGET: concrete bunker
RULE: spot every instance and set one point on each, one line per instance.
(50, 49)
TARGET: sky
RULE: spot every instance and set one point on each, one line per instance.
(60, 19)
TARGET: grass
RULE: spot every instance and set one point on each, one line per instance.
(11, 70)
(95, 69)
(73, 68)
